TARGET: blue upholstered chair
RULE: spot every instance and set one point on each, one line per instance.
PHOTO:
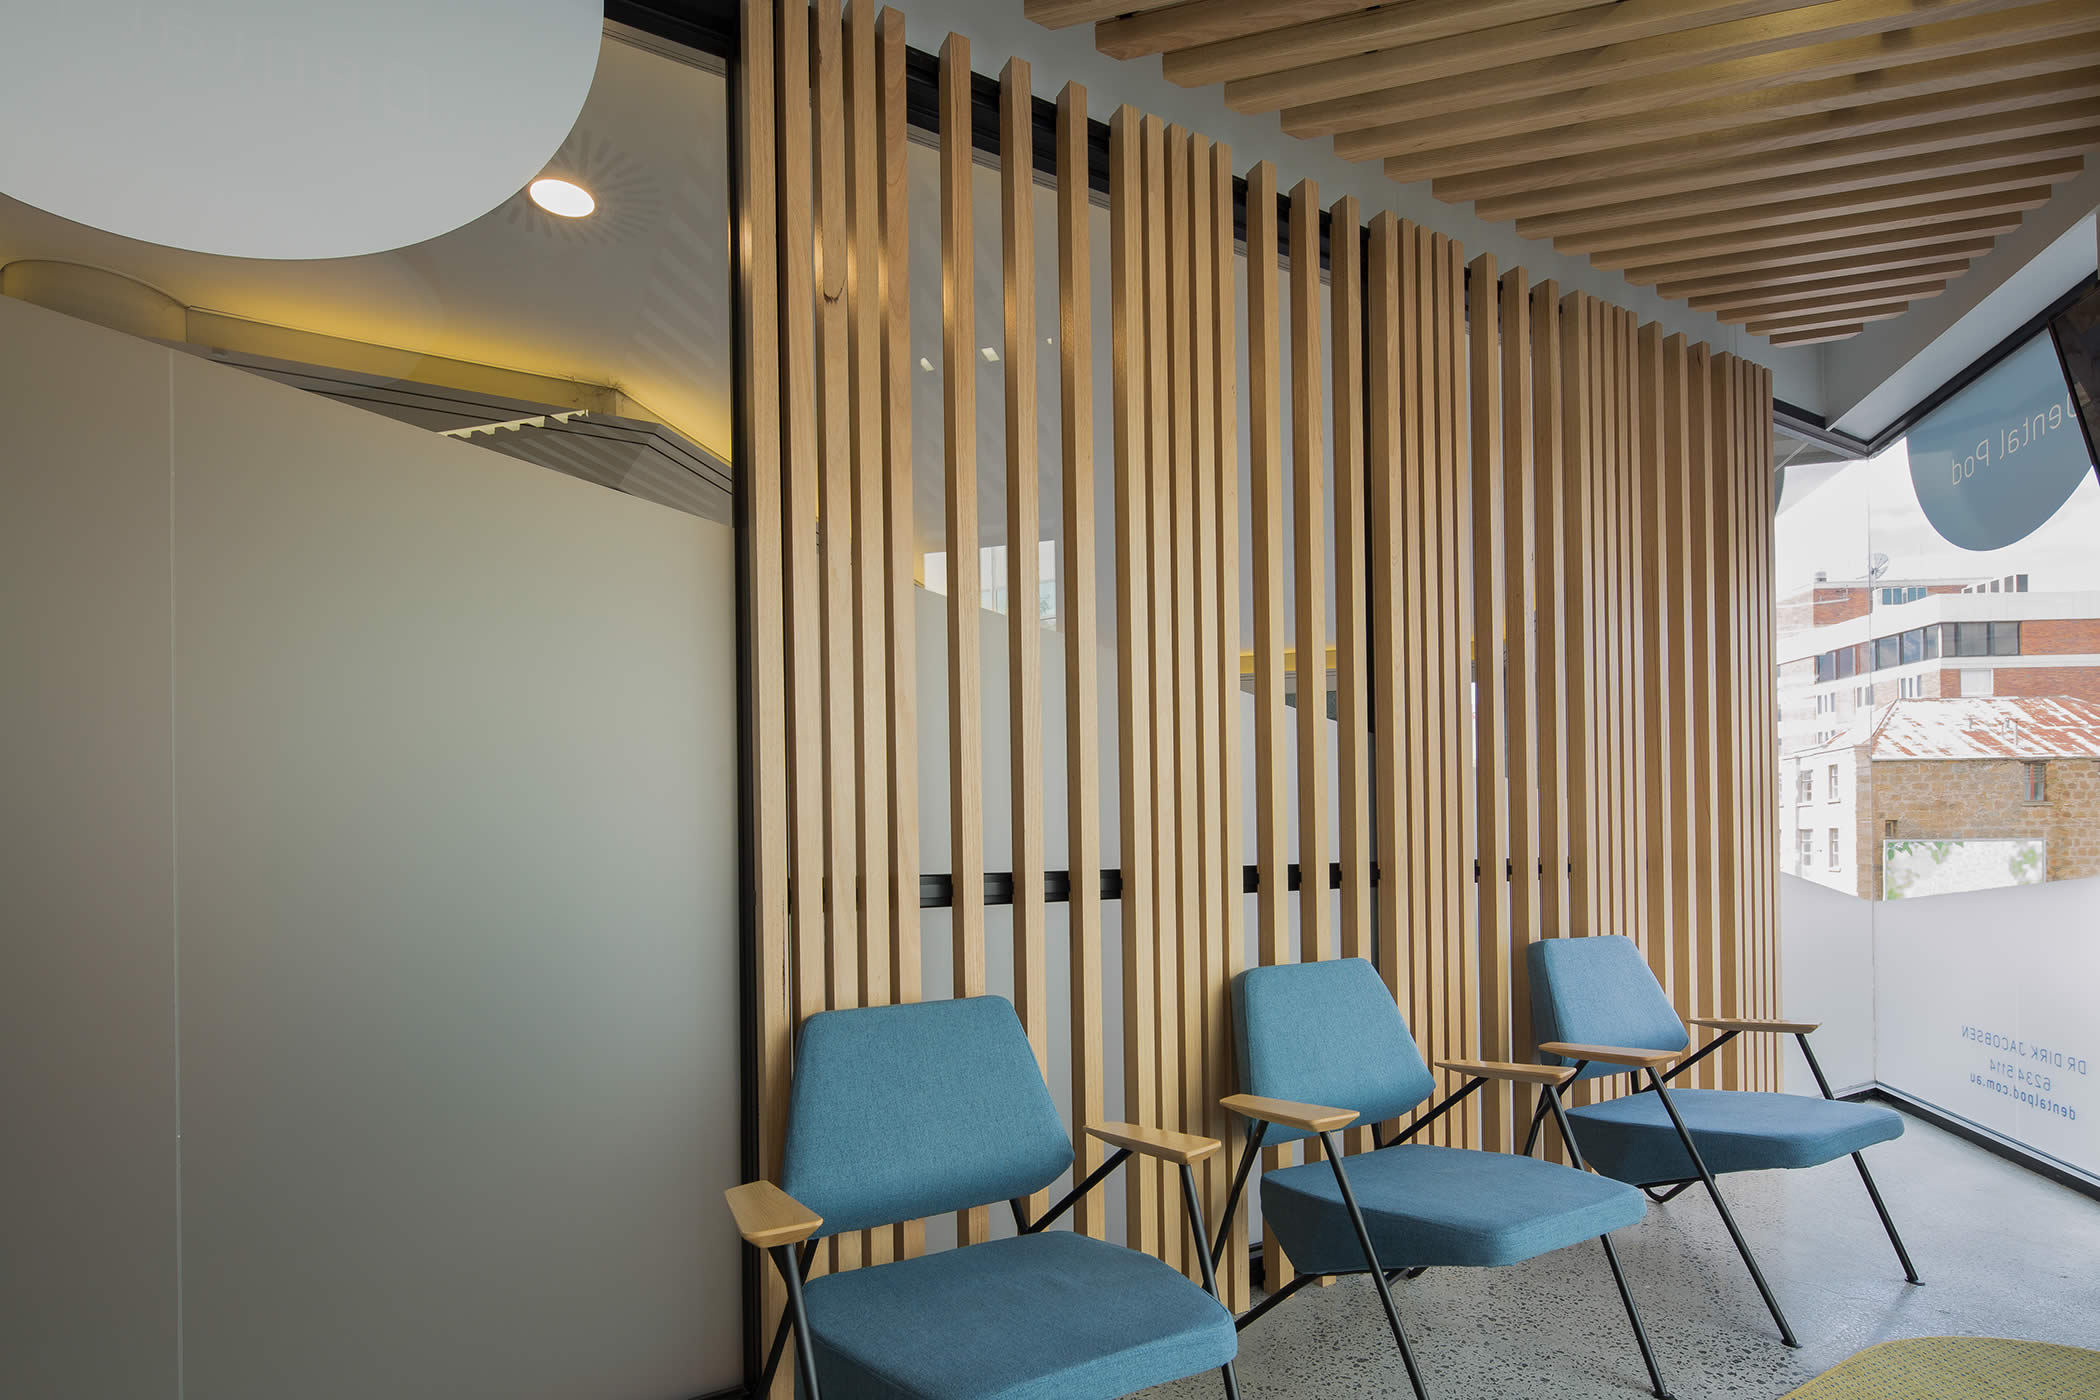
(1597, 1008)
(1322, 1045)
(899, 1112)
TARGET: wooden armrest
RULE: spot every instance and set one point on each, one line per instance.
(1740, 1023)
(768, 1216)
(1184, 1148)
(1610, 1054)
(1312, 1117)
(1502, 1069)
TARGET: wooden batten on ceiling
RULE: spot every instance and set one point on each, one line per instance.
(1769, 160)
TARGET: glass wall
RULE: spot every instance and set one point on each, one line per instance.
(1939, 700)
(1939, 645)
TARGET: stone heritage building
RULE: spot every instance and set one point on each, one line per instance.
(1978, 768)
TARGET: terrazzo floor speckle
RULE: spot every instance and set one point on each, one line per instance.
(2003, 1252)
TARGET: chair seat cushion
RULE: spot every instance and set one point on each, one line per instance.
(1440, 1205)
(1737, 1130)
(1039, 1316)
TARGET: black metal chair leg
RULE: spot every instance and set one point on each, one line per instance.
(1254, 1314)
(1665, 1197)
(1538, 1121)
(1194, 1206)
(1239, 1184)
(805, 1353)
(1633, 1315)
(779, 1349)
(1815, 1067)
(1909, 1270)
(1363, 1239)
(1551, 1099)
(1742, 1246)
(786, 1328)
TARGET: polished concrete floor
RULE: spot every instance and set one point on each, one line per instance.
(2003, 1253)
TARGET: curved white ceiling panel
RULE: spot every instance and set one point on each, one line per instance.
(263, 129)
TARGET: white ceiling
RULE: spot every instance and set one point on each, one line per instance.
(635, 297)
(387, 123)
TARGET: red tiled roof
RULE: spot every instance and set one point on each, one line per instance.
(1986, 727)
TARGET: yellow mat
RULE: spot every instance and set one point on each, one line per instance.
(1960, 1368)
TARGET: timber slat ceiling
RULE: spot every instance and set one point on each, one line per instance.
(1801, 170)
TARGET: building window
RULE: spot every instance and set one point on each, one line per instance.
(1807, 842)
(1891, 597)
(1832, 783)
(1805, 786)
(1981, 638)
(2037, 781)
(1834, 862)
(1888, 651)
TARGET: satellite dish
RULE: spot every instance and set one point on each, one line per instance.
(1877, 565)
(261, 129)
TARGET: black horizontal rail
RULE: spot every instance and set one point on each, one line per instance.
(937, 891)
(711, 26)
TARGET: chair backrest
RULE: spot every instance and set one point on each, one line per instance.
(1326, 1033)
(899, 1112)
(1599, 991)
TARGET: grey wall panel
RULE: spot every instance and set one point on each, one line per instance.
(87, 911)
(456, 774)
(400, 775)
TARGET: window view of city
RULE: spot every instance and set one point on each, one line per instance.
(1939, 650)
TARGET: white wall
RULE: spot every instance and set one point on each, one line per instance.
(369, 990)
(1977, 1005)
(1984, 1009)
(1827, 976)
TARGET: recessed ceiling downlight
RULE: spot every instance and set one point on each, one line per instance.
(571, 201)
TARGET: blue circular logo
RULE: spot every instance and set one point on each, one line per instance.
(1993, 463)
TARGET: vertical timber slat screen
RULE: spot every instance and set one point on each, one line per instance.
(1265, 501)
(959, 433)
(1528, 664)
(1082, 664)
(1024, 646)
(906, 973)
(1133, 659)
(1352, 712)
(1224, 386)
